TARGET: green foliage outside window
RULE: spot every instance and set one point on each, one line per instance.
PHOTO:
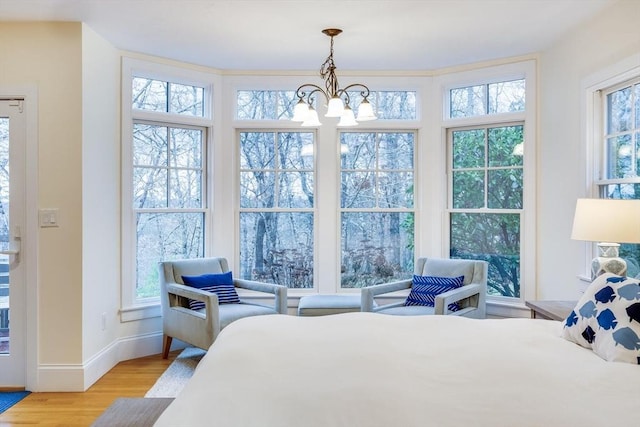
(487, 195)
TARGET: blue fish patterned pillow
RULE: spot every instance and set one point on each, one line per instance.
(607, 319)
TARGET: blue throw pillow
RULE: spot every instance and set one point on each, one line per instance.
(425, 288)
(220, 284)
(606, 319)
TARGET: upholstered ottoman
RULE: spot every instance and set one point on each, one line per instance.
(320, 305)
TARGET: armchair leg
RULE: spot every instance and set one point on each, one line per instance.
(166, 346)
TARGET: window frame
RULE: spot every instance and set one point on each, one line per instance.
(378, 171)
(526, 69)
(277, 209)
(594, 89)
(133, 308)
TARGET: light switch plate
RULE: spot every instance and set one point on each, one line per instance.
(48, 217)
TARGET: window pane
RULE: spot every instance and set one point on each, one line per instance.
(257, 150)
(257, 189)
(637, 153)
(396, 151)
(277, 247)
(506, 97)
(469, 149)
(619, 110)
(186, 148)
(387, 105)
(149, 145)
(287, 101)
(186, 100)
(185, 189)
(163, 236)
(296, 190)
(468, 101)
(256, 104)
(394, 105)
(149, 188)
(637, 109)
(148, 94)
(505, 189)
(395, 190)
(494, 238)
(358, 190)
(621, 191)
(468, 189)
(359, 150)
(295, 150)
(620, 157)
(502, 142)
(265, 104)
(377, 247)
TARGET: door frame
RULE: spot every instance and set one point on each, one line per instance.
(29, 250)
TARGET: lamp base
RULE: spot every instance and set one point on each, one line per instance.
(608, 261)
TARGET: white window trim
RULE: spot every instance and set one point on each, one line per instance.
(526, 69)
(592, 122)
(131, 307)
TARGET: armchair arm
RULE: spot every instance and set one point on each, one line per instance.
(179, 321)
(368, 293)
(443, 300)
(279, 291)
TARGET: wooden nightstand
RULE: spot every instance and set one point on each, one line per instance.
(552, 310)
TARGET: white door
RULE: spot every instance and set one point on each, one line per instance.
(12, 222)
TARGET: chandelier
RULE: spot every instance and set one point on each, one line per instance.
(337, 98)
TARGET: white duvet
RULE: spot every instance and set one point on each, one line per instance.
(369, 370)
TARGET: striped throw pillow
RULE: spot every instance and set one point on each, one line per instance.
(425, 288)
(220, 284)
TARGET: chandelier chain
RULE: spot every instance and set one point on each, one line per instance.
(327, 72)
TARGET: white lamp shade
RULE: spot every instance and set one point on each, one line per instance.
(607, 220)
(335, 107)
(300, 111)
(312, 118)
(365, 112)
(347, 118)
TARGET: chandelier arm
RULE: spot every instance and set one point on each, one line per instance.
(304, 92)
(365, 92)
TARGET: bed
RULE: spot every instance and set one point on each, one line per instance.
(369, 370)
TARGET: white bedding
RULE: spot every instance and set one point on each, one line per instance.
(369, 370)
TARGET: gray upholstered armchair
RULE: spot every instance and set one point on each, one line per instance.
(471, 297)
(201, 327)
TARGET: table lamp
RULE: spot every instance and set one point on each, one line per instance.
(608, 222)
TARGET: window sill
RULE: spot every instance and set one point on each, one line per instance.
(140, 312)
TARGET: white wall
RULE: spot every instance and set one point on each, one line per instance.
(48, 56)
(100, 202)
(610, 37)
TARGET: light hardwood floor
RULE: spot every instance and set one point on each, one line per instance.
(131, 378)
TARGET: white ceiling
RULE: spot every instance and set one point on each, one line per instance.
(286, 34)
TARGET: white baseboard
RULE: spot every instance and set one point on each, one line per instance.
(78, 378)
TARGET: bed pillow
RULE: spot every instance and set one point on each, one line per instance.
(606, 319)
(220, 284)
(425, 288)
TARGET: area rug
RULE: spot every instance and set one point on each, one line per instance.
(132, 412)
(10, 398)
(177, 374)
